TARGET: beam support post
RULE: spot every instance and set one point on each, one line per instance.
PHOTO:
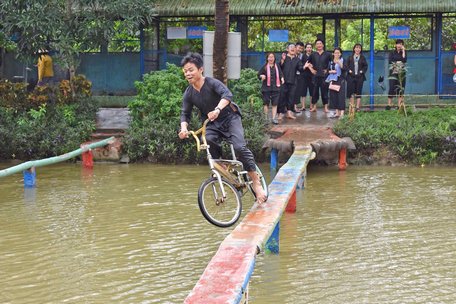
(29, 178)
(272, 245)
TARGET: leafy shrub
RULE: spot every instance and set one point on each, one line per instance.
(159, 95)
(247, 90)
(422, 137)
(47, 131)
(155, 113)
(15, 95)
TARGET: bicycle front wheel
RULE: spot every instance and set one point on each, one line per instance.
(218, 210)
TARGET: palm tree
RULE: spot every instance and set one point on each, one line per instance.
(222, 17)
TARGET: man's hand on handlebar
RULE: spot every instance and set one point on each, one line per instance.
(213, 114)
(183, 134)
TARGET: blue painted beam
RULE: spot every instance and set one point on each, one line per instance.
(272, 245)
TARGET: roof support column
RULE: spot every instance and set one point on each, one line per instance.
(371, 62)
(141, 50)
(337, 32)
(438, 52)
(243, 28)
(149, 54)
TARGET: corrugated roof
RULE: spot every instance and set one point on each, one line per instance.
(303, 7)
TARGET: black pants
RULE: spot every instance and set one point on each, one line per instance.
(287, 96)
(229, 128)
(396, 88)
(320, 85)
(355, 86)
(271, 97)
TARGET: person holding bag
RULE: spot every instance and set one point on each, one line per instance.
(337, 83)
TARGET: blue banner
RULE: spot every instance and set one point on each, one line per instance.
(195, 32)
(278, 35)
(399, 32)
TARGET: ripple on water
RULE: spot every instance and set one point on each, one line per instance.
(134, 234)
(366, 237)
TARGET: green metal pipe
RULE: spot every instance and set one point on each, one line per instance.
(55, 159)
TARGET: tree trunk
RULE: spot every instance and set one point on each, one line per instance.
(221, 39)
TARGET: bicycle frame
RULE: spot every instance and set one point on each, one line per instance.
(216, 164)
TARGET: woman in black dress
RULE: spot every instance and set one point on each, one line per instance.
(336, 77)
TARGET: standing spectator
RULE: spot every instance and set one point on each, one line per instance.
(299, 77)
(319, 67)
(336, 77)
(289, 64)
(272, 78)
(397, 60)
(307, 81)
(356, 67)
(45, 68)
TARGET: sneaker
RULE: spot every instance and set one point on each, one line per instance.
(275, 121)
(388, 108)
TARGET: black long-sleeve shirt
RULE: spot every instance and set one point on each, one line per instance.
(320, 62)
(273, 81)
(395, 57)
(362, 66)
(289, 68)
(307, 73)
(207, 99)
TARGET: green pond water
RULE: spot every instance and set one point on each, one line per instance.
(134, 234)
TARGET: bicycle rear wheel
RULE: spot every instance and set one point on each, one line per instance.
(219, 211)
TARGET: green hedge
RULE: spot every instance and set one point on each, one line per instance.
(50, 130)
(423, 137)
(155, 112)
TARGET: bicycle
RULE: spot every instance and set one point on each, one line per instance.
(219, 196)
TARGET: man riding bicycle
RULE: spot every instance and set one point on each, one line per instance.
(215, 101)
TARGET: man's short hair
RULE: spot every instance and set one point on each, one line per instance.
(400, 41)
(299, 43)
(319, 39)
(290, 44)
(194, 58)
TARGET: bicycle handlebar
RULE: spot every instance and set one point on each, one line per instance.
(201, 131)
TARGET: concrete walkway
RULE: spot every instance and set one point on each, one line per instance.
(111, 122)
(306, 128)
(310, 130)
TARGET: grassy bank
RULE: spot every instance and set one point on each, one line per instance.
(422, 137)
